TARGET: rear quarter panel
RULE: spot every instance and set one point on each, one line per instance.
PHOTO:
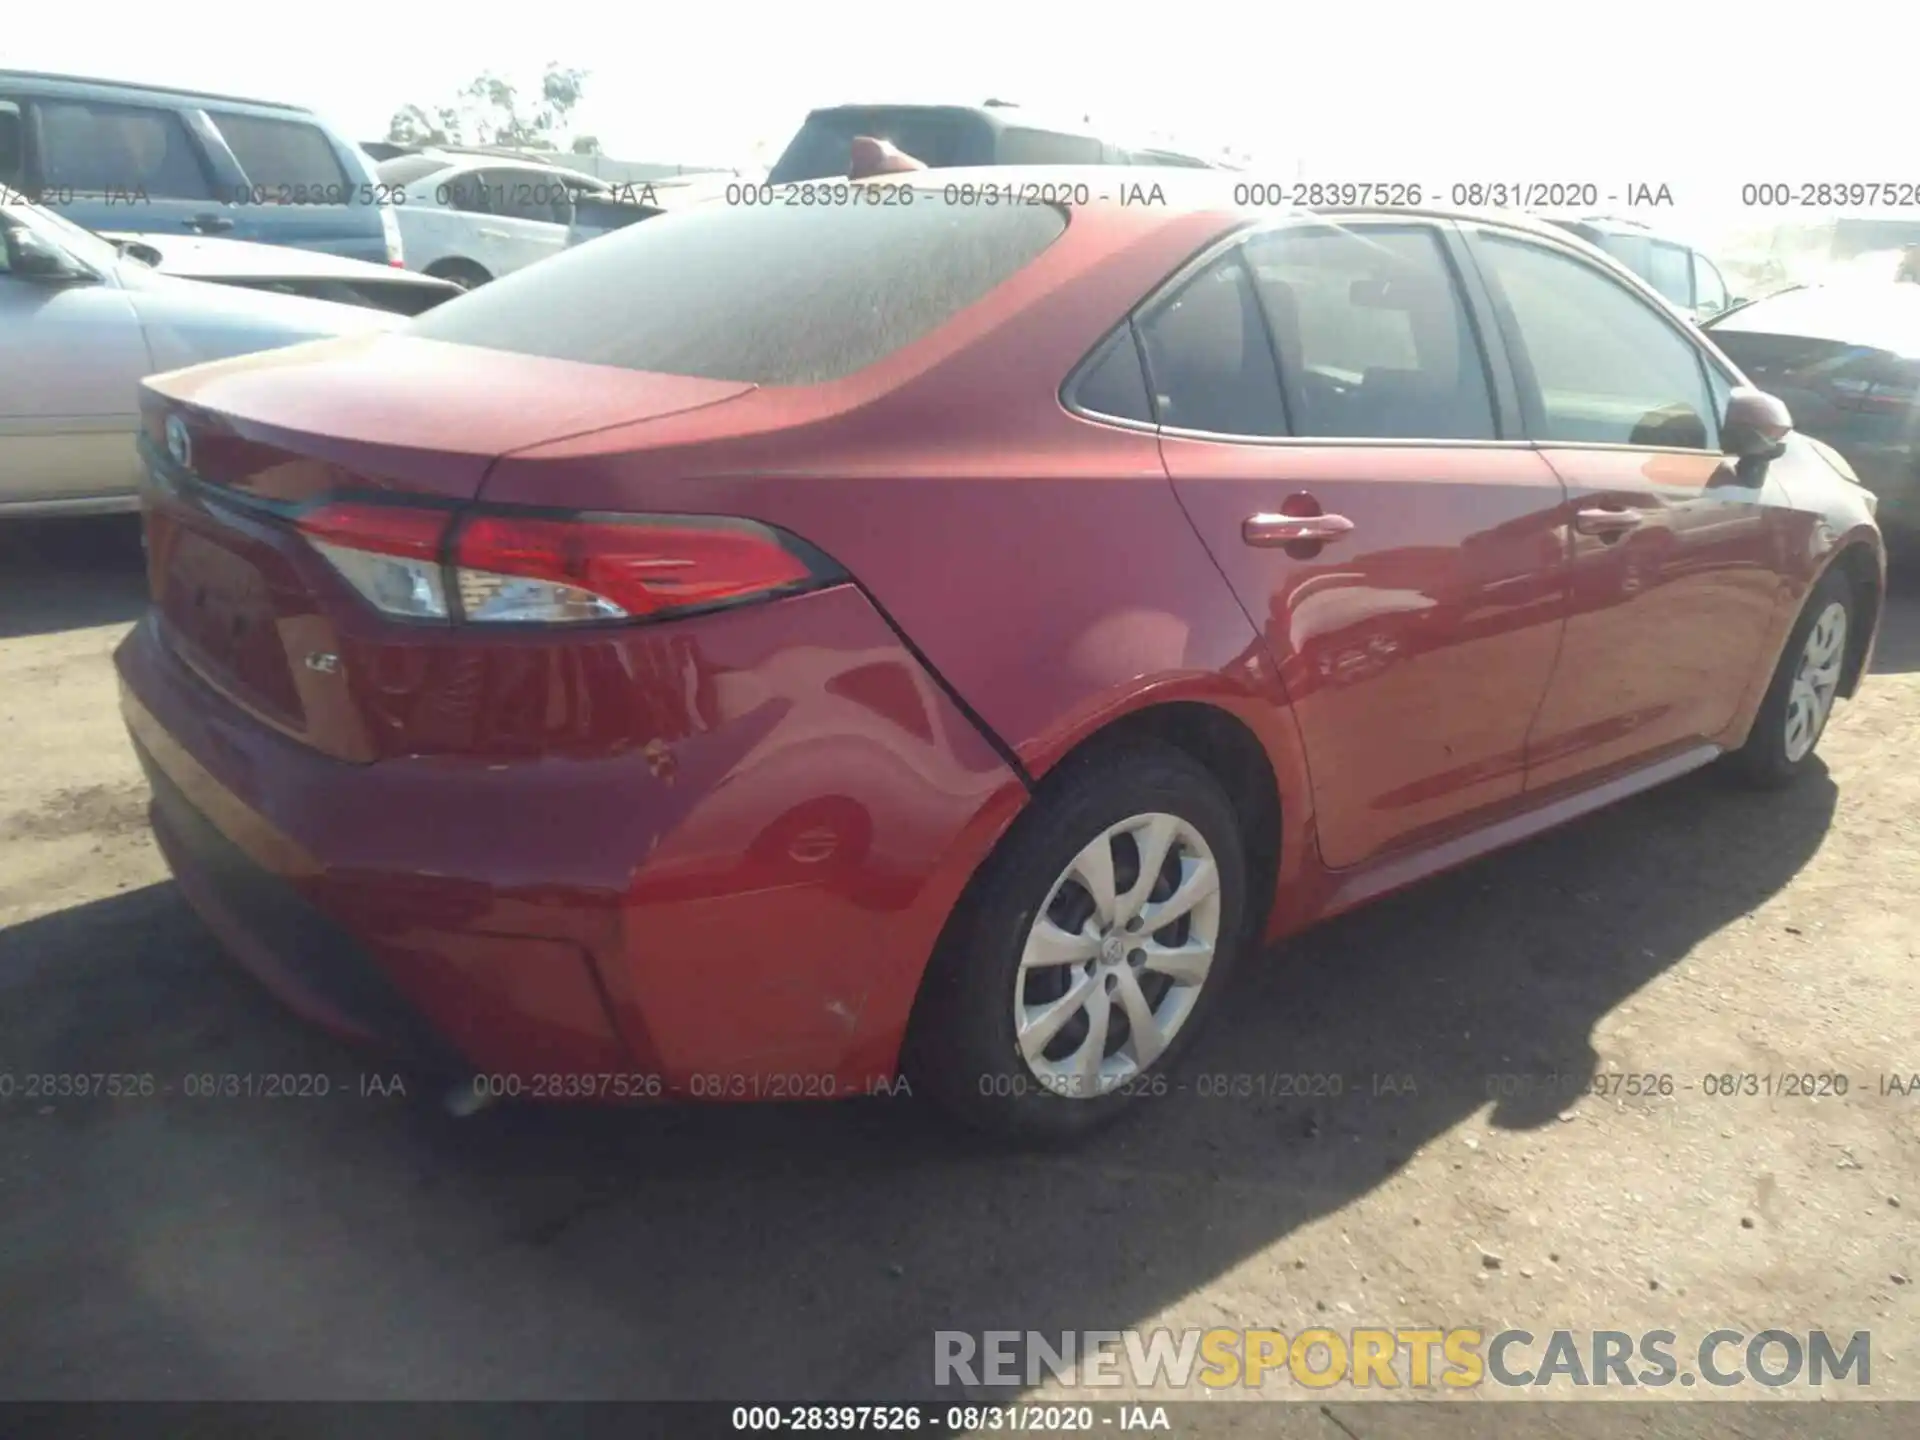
(1040, 562)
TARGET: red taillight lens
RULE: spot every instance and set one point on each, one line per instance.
(515, 569)
(508, 568)
(383, 529)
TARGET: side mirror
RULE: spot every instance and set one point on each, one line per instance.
(32, 258)
(1755, 426)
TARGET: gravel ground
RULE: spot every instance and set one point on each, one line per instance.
(366, 1246)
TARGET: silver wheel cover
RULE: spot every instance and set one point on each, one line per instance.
(1816, 679)
(1117, 956)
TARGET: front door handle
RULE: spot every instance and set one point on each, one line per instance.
(1269, 529)
(208, 224)
(1607, 522)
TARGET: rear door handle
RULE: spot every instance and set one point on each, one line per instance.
(1607, 522)
(492, 234)
(1269, 529)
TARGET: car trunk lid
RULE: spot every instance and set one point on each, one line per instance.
(241, 450)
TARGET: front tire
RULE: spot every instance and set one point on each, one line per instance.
(1089, 950)
(1806, 684)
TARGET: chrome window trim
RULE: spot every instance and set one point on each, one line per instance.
(1247, 228)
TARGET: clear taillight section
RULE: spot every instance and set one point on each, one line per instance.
(389, 553)
(502, 568)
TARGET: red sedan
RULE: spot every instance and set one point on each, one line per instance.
(773, 649)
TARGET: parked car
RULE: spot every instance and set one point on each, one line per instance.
(113, 156)
(946, 635)
(1680, 273)
(597, 215)
(471, 219)
(1846, 360)
(943, 136)
(286, 271)
(80, 324)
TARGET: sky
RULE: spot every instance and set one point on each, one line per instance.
(1701, 97)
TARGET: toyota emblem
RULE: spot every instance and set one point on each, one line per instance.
(179, 443)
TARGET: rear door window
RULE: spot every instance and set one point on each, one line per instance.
(289, 158)
(120, 148)
(1047, 147)
(1373, 337)
(12, 145)
(1113, 384)
(1209, 362)
(467, 190)
(530, 195)
(786, 295)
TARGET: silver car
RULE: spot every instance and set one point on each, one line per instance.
(81, 324)
(471, 220)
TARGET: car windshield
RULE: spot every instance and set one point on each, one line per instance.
(81, 243)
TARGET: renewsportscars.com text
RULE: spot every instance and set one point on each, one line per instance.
(1383, 1358)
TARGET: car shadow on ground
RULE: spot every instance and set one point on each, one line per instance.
(70, 574)
(359, 1245)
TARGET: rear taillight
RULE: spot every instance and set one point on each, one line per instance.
(504, 568)
(390, 233)
(389, 553)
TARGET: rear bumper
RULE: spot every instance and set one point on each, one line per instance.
(312, 964)
(742, 912)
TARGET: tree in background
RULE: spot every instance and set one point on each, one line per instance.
(491, 111)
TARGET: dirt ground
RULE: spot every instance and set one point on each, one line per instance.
(181, 1248)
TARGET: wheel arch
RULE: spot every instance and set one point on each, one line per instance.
(1224, 736)
(1861, 564)
(1248, 745)
(446, 267)
(1228, 748)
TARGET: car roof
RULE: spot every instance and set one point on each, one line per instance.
(1875, 315)
(465, 162)
(123, 87)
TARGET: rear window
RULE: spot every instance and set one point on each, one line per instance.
(771, 296)
(288, 155)
(824, 146)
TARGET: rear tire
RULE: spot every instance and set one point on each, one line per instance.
(1038, 966)
(1805, 687)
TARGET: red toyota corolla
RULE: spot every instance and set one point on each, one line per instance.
(770, 648)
